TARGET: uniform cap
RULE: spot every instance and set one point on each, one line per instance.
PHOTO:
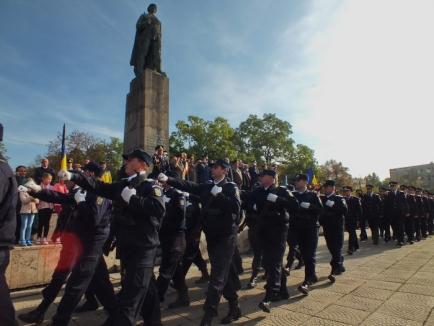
(301, 176)
(93, 167)
(393, 183)
(139, 154)
(271, 173)
(330, 183)
(222, 163)
(347, 188)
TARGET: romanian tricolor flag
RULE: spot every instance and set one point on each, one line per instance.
(63, 165)
(315, 180)
(311, 178)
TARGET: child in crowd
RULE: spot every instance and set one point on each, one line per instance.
(27, 214)
(44, 212)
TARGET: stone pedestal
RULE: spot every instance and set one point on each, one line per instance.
(147, 112)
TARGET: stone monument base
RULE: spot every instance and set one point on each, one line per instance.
(147, 112)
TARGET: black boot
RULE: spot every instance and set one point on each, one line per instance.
(182, 300)
(207, 319)
(252, 283)
(35, 316)
(265, 306)
(87, 306)
(233, 314)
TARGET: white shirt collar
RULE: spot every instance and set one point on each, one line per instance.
(216, 182)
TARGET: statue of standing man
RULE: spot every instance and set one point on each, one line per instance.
(147, 43)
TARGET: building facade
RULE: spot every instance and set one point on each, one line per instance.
(419, 176)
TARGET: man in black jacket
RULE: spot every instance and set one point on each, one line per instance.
(221, 212)
(396, 207)
(44, 168)
(86, 231)
(371, 208)
(8, 201)
(351, 218)
(303, 227)
(332, 221)
(140, 207)
(274, 205)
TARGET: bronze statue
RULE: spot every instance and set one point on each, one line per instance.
(147, 43)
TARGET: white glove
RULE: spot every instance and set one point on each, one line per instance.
(166, 199)
(162, 177)
(305, 205)
(272, 197)
(186, 194)
(216, 190)
(65, 175)
(22, 189)
(330, 203)
(32, 186)
(254, 207)
(80, 196)
(127, 193)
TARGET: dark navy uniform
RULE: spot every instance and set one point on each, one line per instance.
(8, 201)
(192, 252)
(303, 227)
(396, 207)
(137, 226)
(371, 206)
(410, 218)
(220, 225)
(351, 218)
(418, 221)
(252, 217)
(273, 224)
(83, 239)
(172, 238)
(332, 221)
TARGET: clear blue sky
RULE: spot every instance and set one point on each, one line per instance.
(308, 61)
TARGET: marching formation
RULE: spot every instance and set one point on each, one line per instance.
(139, 214)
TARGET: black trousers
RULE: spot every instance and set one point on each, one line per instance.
(44, 216)
(138, 265)
(423, 225)
(397, 223)
(273, 242)
(224, 275)
(238, 261)
(101, 287)
(334, 236)
(417, 231)
(374, 225)
(351, 226)
(151, 312)
(173, 249)
(362, 225)
(409, 227)
(81, 275)
(7, 311)
(256, 246)
(306, 235)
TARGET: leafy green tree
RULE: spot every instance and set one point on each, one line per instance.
(266, 139)
(334, 170)
(300, 160)
(198, 137)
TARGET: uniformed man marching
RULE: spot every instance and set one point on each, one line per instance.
(303, 227)
(372, 211)
(87, 229)
(332, 221)
(140, 213)
(396, 208)
(351, 218)
(221, 210)
(274, 205)
(8, 201)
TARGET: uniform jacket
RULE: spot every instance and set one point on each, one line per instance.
(138, 222)
(336, 213)
(371, 206)
(221, 213)
(272, 214)
(174, 219)
(8, 201)
(307, 217)
(396, 204)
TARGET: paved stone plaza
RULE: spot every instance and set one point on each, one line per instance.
(383, 285)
